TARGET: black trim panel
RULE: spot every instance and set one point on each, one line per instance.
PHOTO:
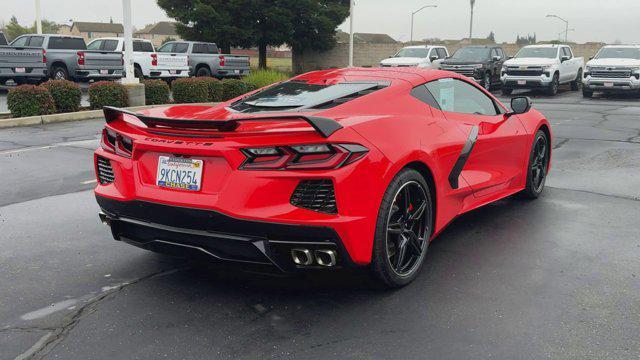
(454, 175)
(324, 126)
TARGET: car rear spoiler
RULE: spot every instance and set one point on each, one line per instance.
(324, 126)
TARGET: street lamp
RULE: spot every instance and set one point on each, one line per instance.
(566, 34)
(38, 18)
(414, 13)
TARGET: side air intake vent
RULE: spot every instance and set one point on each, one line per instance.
(316, 195)
(105, 172)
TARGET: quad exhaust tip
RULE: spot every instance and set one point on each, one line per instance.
(321, 257)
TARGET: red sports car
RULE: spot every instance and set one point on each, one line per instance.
(332, 169)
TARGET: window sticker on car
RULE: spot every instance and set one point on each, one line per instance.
(447, 94)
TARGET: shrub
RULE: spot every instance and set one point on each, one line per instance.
(232, 88)
(66, 95)
(190, 90)
(262, 78)
(156, 92)
(30, 100)
(215, 89)
(108, 93)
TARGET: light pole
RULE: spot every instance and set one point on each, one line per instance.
(351, 8)
(128, 44)
(38, 18)
(414, 13)
(566, 33)
(473, 3)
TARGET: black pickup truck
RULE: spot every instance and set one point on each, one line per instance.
(481, 63)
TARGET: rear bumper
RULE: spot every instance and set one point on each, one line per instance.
(231, 72)
(168, 74)
(10, 73)
(217, 237)
(96, 74)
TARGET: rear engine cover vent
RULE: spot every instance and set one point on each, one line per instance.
(105, 172)
(316, 195)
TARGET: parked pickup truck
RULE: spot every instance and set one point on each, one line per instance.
(480, 63)
(542, 67)
(68, 58)
(423, 56)
(23, 63)
(147, 62)
(205, 59)
(615, 68)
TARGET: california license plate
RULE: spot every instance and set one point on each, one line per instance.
(179, 173)
(237, 71)
(21, 70)
(608, 84)
(173, 72)
(522, 82)
(104, 72)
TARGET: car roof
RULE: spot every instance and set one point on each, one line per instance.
(545, 45)
(119, 39)
(421, 46)
(414, 76)
(622, 46)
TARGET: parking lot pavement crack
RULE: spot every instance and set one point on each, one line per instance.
(560, 144)
(625, 197)
(49, 341)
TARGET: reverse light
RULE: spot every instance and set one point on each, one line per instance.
(80, 57)
(302, 157)
(116, 143)
(154, 59)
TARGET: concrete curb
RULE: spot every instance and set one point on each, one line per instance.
(76, 116)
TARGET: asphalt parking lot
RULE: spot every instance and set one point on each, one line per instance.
(554, 278)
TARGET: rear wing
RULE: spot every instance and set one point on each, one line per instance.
(324, 126)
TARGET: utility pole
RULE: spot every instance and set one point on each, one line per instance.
(38, 18)
(566, 34)
(351, 8)
(414, 13)
(473, 2)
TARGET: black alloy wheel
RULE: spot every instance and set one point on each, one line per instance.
(538, 166)
(403, 230)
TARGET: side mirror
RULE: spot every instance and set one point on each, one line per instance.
(564, 58)
(497, 58)
(520, 105)
(433, 58)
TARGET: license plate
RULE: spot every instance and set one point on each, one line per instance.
(179, 173)
(608, 84)
(104, 72)
(236, 71)
(21, 70)
(173, 72)
(522, 82)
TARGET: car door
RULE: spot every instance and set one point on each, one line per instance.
(497, 64)
(496, 161)
(566, 71)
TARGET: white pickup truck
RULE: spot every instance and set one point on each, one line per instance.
(542, 67)
(423, 56)
(147, 62)
(615, 68)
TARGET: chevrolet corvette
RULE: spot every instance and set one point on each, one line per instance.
(333, 169)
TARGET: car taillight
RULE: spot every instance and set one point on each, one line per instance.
(302, 157)
(80, 57)
(116, 143)
(221, 60)
(154, 59)
(44, 56)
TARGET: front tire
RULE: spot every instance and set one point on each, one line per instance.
(587, 93)
(487, 81)
(506, 91)
(538, 166)
(403, 229)
(552, 90)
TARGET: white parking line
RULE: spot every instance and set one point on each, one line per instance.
(87, 143)
(89, 182)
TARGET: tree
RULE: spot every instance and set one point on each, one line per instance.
(14, 29)
(492, 37)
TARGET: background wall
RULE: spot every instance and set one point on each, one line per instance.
(370, 55)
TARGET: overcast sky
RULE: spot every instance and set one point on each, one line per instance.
(593, 20)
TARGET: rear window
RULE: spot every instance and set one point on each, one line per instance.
(110, 45)
(3, 40)
(295, 94)
(142, 46)
(203, 48)
(181, 48)
(63, 43)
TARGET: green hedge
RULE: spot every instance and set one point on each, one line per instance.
(66, 95)
(215, 89)
(190, 90)
(30, 100)
(232, 88)
(156, 92)
(108, 93)
(262, 78)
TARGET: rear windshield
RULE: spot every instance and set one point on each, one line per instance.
(296, 94)
(472, 54)
(619, 53)
(411, 52)
(537, 52)
(142, 46)
(204, 48)
(63, 43)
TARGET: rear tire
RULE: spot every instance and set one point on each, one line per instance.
(59, 73)
(538, 166)
(203, 72)
(403, 229)
(137, 72)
